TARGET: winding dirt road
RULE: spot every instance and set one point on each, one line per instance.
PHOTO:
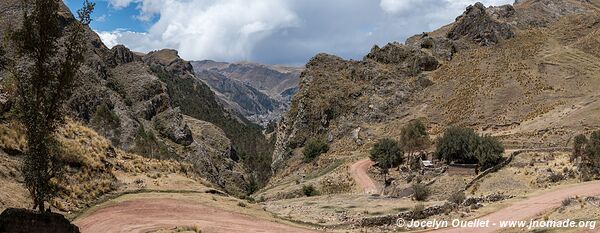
(530, 207)
(151, 214)
(358, 171)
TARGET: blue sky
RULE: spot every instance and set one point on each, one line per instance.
(268, 31)
(107, 18)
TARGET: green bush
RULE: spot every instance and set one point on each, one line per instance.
(386, 153)
(309, 190)
(592, 150)
(488, 152)
(314, 148)
(589, 151)
(463, 145)
(457, 197)
(414, 138)
(456, 145)
(420, 191)
(578, 145)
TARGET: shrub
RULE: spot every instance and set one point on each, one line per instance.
(592, 150)
(555, 177)
(309, 190)
(457, 197)
(456, 145)
(488, 151)
(418, 211)
(463, 145)
(420, 191)
(314, 148)
(578, 145)
(386, 153)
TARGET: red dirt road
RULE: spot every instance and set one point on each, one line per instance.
(530, 207)
(358, 171)
(149, 214)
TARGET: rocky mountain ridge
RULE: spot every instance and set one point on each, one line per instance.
(524, 72)
(261, 93)
(136, 102)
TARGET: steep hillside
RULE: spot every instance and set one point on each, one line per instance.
(270, 79)
(135, 102)
(262, 93)
(243, 98)
(93, 169)
(527, 73)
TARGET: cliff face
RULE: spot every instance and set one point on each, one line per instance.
(133, 102)
(525, 73)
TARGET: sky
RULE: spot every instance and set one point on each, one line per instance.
(268, 31)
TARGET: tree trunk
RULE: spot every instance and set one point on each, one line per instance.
(384, 183)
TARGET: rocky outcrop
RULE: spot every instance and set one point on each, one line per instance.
(476, 25)
(119, 55)
(441, 48)
(28, 221)
(170, 124)
(336, 96)
(397, 54)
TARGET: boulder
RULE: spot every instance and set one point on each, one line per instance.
(170, 124)
(28, 221)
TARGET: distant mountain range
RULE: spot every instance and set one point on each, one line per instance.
(261, 93)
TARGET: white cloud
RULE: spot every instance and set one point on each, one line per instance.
(281, 31)
(120, 3)
(202, 29)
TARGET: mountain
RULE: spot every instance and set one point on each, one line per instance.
(527, 73)
(261, 93)
(153, 105)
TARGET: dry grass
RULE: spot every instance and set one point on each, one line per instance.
(527, 173)
(92, 167)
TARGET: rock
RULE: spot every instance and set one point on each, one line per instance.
(170, 124)
(406, 56)
(476, 25)
(28, 221)
(119, 55)
(441, 48)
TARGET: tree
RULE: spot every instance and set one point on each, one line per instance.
(314, 147)
(578, 146)
(592, 150)
(456, 145)
(488, 152)
(463, 145)
(386, 154)
(414, 138)
(47, 58)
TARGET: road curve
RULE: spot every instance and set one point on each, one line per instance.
(150, 214)
(358, 171)
(530, 207)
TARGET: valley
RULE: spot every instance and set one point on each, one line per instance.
(492, 117)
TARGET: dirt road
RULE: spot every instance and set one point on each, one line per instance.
(358, 171)
(522, 210)
(150, 214)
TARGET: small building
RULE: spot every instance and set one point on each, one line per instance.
(427, 163)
